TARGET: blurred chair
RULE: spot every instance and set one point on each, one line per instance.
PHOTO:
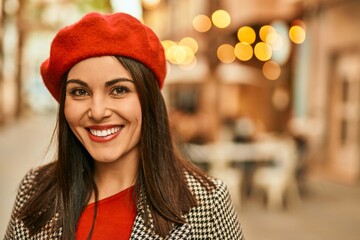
(218, 165)
(232, 177)
(279, 179)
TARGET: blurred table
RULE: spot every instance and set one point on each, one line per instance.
(222, 154)
(235, 162)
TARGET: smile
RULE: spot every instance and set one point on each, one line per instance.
(104, 132)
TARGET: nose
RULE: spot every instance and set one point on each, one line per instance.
(99, 109)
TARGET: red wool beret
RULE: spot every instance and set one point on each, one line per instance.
(96, 34)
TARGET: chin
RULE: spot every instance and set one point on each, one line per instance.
(103, 159)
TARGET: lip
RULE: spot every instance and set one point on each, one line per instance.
(103, 127)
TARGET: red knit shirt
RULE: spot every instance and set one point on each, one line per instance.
(115, 217)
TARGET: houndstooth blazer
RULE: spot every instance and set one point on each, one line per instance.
(213, 218)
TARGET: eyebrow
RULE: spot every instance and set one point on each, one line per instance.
(107, 84)
(114, 81)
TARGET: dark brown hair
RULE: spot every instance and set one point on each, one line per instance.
(65, 186)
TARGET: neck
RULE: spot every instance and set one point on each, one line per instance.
(111, 178)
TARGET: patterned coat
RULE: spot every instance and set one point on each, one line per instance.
(213, 218)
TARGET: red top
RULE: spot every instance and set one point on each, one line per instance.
(115, 217)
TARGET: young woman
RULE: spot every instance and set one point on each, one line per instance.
(117, 173)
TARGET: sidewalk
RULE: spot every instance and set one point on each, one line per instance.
(23, 145)
(330, 211)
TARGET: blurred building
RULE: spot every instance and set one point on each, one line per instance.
(289, 66)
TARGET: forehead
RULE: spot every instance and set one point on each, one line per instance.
(98, 68)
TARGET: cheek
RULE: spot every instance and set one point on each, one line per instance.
(72, 113)
(131, 108)
(67, 111)
(134, 110)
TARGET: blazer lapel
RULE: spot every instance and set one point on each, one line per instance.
(141, 231)
(182, 232)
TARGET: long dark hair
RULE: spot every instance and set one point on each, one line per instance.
(64, 187)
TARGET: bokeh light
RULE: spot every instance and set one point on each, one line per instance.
(246, 34)
(275, 41)
(265, 31)
(189, 66)
(298, 22)
(189, 57)
(171, 54)
(226, 53)
(280, 42)
(150, 4)
(167, 44)
(263, 51)
(297, 34)
(201, 23)
(180, 53)
(190, 42)
(280, 98)
(271, 70)
(221, 18)
(243, 51)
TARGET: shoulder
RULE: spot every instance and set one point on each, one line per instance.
(29, 184)
(26, 188)
(215, 216)
(206, 190)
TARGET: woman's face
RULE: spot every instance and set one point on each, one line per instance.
(103, 109)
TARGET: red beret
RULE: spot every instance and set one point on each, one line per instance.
(117, 34)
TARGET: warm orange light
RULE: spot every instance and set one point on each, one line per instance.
(221, 18)
(189, 66)
(263, 51)
(243, 51)
(281, 98)
(189, 56)
(271, 70)
(297, 34)
(167, 44)
(226, 53)
(190, 42)
(298, 22)
(150, 4)
(201, 23)
(246, 34)
(265, 31)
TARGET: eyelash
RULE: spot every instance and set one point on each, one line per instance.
(76, 92)
(121, 89)
(79, 92)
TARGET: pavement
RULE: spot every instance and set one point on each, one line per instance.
(328, 211)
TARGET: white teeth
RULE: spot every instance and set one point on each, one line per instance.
(104, 133)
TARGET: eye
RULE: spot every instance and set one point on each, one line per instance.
(78, 92)
(119, 90)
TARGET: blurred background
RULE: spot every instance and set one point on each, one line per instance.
(265, 94)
